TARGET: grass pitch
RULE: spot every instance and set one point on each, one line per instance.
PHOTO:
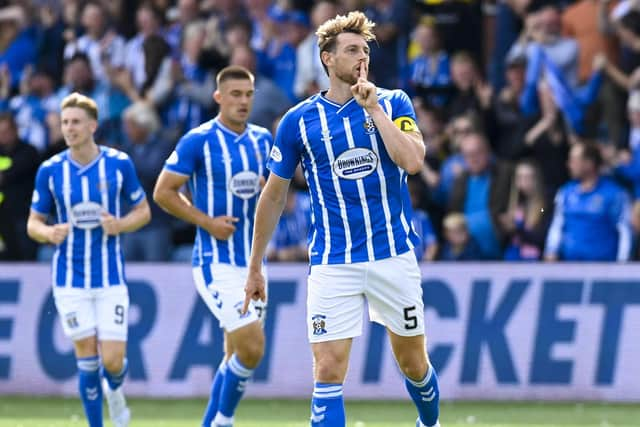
(57, 412)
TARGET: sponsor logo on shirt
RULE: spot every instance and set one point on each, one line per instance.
(355, 163)
(86, 215)
(245, 184)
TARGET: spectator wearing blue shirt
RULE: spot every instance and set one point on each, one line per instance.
(459, 244)
(18, 42)
(591, 220)
(482, 194)
(428, 247)
(289, 241)
(628, 167)
(428, 74)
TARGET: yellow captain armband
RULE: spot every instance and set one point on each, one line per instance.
(406, 124)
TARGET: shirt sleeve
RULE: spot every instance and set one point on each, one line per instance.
(132, 191)
(401, 105)
(620, 212)
(183, 160)
(42, 199)
(554, 236)
(285, 153)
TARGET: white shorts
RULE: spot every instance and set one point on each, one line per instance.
(101, 312)
(336, 295)
(221, 286)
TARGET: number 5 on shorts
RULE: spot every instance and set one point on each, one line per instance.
(119, 312)
(411, 320)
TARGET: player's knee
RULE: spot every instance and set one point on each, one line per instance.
(113, 362)
(330, 368)
(413, 366)
(250, 351)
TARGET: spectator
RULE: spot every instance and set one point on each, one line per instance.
(289, 241)
(78, 77)
(148, 149)
(628, 166)
(459, 245)
(102, 45)
(187, 11)
(17, 43)
(149, 22)
(51, 40)
(429, 73)
(310, 74)
(588, 22)
(183, 88)
(388, 53)
(270, 101)
(428, 247)
(527, 217)
(591, 219)
(18, 164)
(506, 117)
(546, 142)
(482, 194)
(470, 92)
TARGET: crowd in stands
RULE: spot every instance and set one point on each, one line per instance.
(530, 110)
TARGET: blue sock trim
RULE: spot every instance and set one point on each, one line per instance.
(327, 406)
(327, 390)
(90, 390)
(235, 366)
(426, 396)
(214, 395)
(88, 364)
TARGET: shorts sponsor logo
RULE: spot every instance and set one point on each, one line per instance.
(245, 184)
(355, 163)
(238, 306)
(86, 215)
(319, 325)
(72, 320)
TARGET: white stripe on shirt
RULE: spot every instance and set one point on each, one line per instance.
(245, 206)
(104, 198)
(325, 215)
(326, 138)
(119, 180)
(208, 166)
(66, 196)
(84, 182)
(362, 194)
(227, 178)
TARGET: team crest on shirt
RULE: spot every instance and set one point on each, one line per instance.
(86, 215)
(355, 163)
(318, 324)
(245, 184)
(72, 320)
(369, 126)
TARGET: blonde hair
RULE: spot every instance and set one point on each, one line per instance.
(77, 100)
(355, 22)
(454, 220)
(534, 208)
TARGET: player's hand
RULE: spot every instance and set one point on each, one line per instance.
(222, 227)
(57, 233)
(364, 91)
(110, 224)
(254, 289)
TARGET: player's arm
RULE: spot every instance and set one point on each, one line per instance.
(401, 138)
(268, 211)
(168, 196)
(136, 218)
(39, 231)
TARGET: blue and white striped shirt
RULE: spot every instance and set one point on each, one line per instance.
(88, 258)
(224, 171)
(360, 203)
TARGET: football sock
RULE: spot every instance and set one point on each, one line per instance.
(425, 395)
(90, 390)
(327, 406)
(214, 397)
(233, 385)
(115, 380)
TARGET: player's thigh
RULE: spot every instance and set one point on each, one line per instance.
(394, 294)
(112, 307)
(331, 360)
(335, 302)
(77, 313)
(410, 353)
(221, 287)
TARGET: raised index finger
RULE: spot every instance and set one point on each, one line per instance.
(363, 72)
